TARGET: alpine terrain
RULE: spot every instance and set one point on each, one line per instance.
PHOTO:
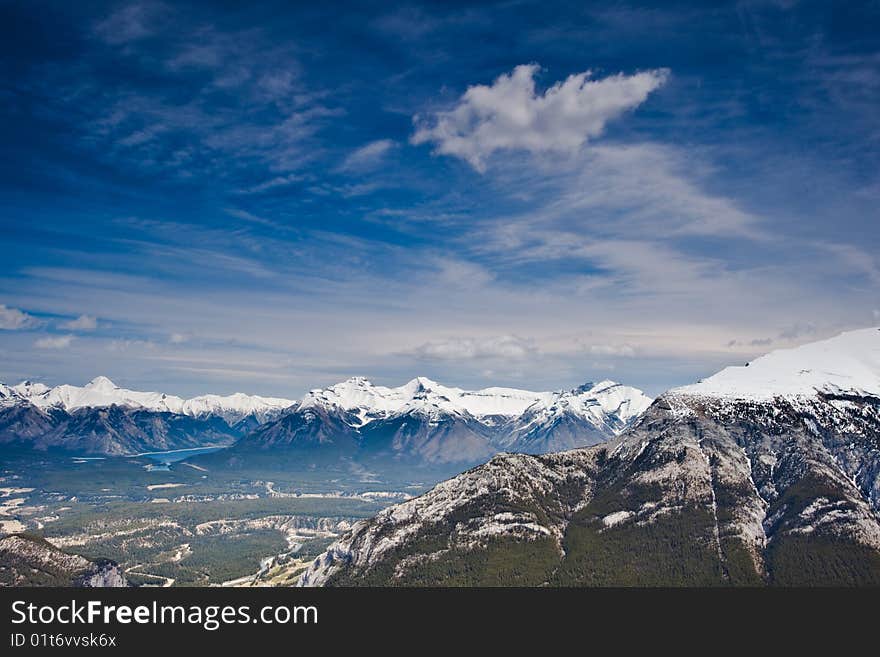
(102, 418)
(420, 421)
(427, 422)
(763, 474)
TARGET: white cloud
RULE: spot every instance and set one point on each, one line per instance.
(130, 345)
(129, 23)
(12, 319)
(624, 350)
(60, 342)
(272, 183)
(503, 346)
(178, 338)
(367, 156)
(81, 323)
(510, 115)
(252, 218)
(460, 274)
(857, 259)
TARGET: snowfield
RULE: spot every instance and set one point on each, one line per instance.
(101, 392)
(847, 363)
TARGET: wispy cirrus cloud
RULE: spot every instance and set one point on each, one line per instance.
(614, 350)
(273, 183)
(459, 349)
(367, 156)
(510, 114)
(130, 22)
(219, 93)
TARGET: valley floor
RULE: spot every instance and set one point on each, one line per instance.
(189, 524)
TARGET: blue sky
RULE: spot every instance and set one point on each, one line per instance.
(217, 197)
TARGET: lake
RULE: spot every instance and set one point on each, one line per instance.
(164, 459)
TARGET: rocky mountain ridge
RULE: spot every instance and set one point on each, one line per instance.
(709, 487)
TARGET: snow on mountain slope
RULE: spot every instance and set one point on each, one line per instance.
(30, 389)
(101, 392)
(361, 396)
(422, 395)
(421, 419)
(597, 401)
(575, 418)
(425, 421)
(98, 393)
(768, 474)
(356, 395)
(8, 396)
(236, 406)
(847, 363)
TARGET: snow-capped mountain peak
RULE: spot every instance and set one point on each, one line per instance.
(29, 388)
(605, 405)
(101, 392)
(8, 396)
(356, 394)
(596, 400)
(422, 384)
(101, 383)
(846, 363)
(477, 422)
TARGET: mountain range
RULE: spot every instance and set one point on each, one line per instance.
(425, 422)
(763, 474)
(421, 421)
(102, 418)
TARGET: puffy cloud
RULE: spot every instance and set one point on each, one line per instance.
(12, 319)
(81, 323)
(511, 115)
(503, 346)
(59, 342)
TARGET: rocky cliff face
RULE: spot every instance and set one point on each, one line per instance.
(27, 560)
(102, 574)
(706, 488)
